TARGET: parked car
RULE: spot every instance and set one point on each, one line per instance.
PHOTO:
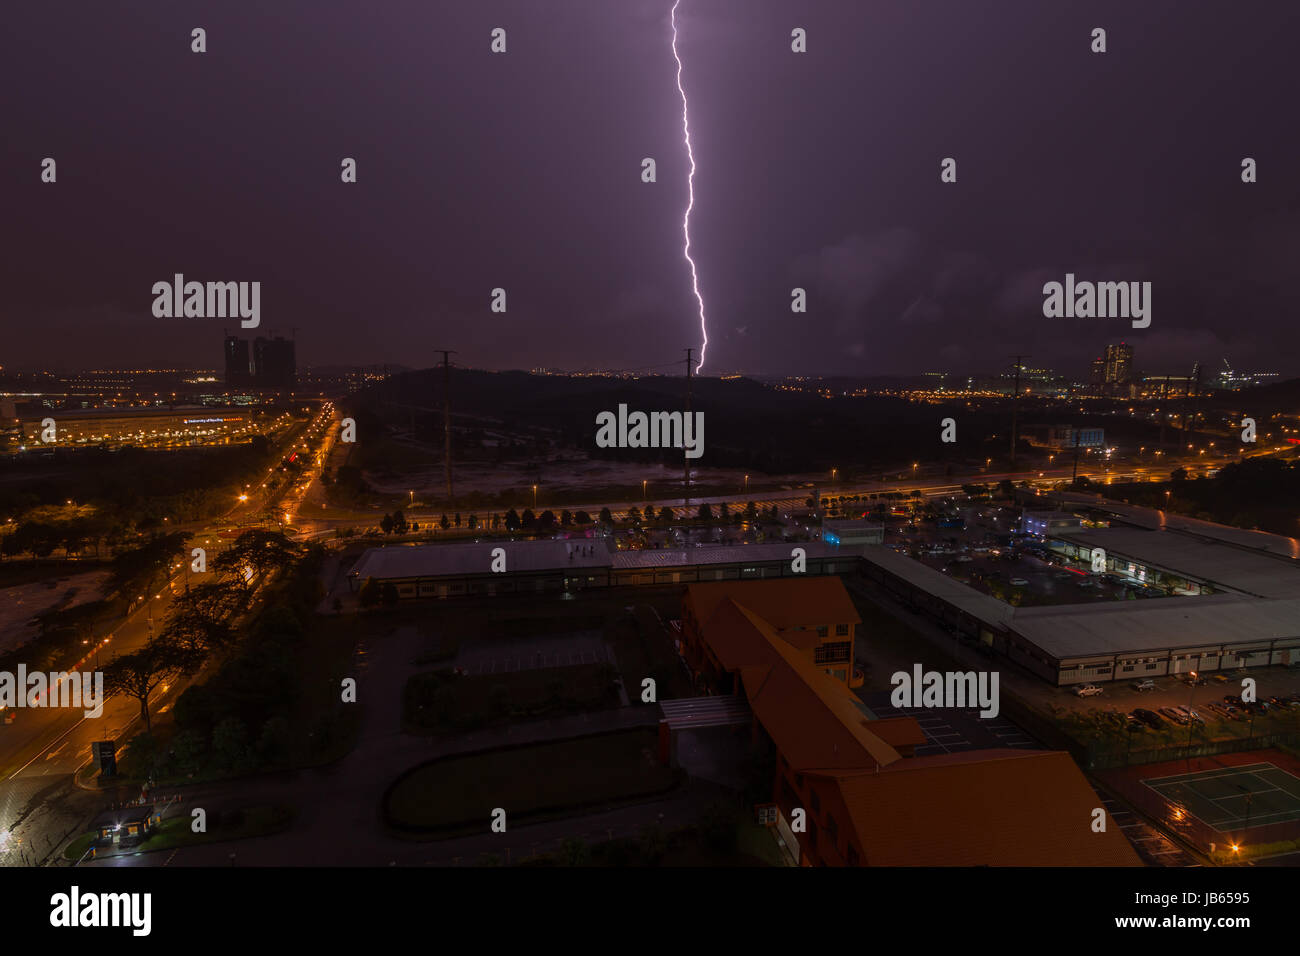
(1175, 715)
(1191, 681)
(1150, 718)
(1087, 690)
(1019, 582)
(1218, 678)
(1143, 685)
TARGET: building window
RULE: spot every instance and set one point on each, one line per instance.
(822, 631)
(841, 630)
(832, 653)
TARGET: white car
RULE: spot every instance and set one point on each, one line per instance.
(1087, 690)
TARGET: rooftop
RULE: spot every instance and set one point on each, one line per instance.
(981, 606)
(1134, 627)
(1210, 560)
(981, 808)
(782, 603)
(453, 560)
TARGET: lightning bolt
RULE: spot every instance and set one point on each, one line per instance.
(690, 184)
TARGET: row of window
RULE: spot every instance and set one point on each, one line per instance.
(837, 652)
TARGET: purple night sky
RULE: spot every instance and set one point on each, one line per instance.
(522, 171)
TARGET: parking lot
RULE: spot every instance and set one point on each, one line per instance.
(953, 729)
(1174, 710)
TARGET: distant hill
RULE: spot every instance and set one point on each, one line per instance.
(747, 424)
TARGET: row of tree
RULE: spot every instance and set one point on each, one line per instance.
(201, 621)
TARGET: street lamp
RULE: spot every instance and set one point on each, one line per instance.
(534, 496)
(643, 487)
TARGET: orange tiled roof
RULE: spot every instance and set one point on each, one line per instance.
(783, 602)
(814, 720)
(981, 808)
(899, 731)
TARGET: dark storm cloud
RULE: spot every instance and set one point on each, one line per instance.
(522, 171)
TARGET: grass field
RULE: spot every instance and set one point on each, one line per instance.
(551, 779)
(439, 701)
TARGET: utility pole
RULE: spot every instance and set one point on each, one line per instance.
(1164, 410)
(446, 414)
(1015, 406)
(686, 461)
(1074, 477)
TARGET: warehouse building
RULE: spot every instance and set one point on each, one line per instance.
(576, 564)
(1236, 601)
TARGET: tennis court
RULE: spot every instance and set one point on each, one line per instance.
(1224, 798)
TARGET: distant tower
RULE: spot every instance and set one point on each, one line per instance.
(239, 371)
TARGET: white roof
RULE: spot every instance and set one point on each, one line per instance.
(1250, 571)
(1157, 625)
(459, 560)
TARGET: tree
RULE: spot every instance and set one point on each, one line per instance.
(369, 595)
(751, 512)
(566, 517)
(444, 523)
(582, 518)
(512, 520)
(140, 568)
(472, 523)
(724, 513)
(499, 700)
(1178, 474)
(634, 515)
(386, 524)
(574, 852)
(649, 513)
(456, 519)
(399, 522)
(137, 674)
(547, 520)
(254, 553)
(705, 512)
(528, 520)
(230, 743)
(606, 517)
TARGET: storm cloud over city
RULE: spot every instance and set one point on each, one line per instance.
(707, 435)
